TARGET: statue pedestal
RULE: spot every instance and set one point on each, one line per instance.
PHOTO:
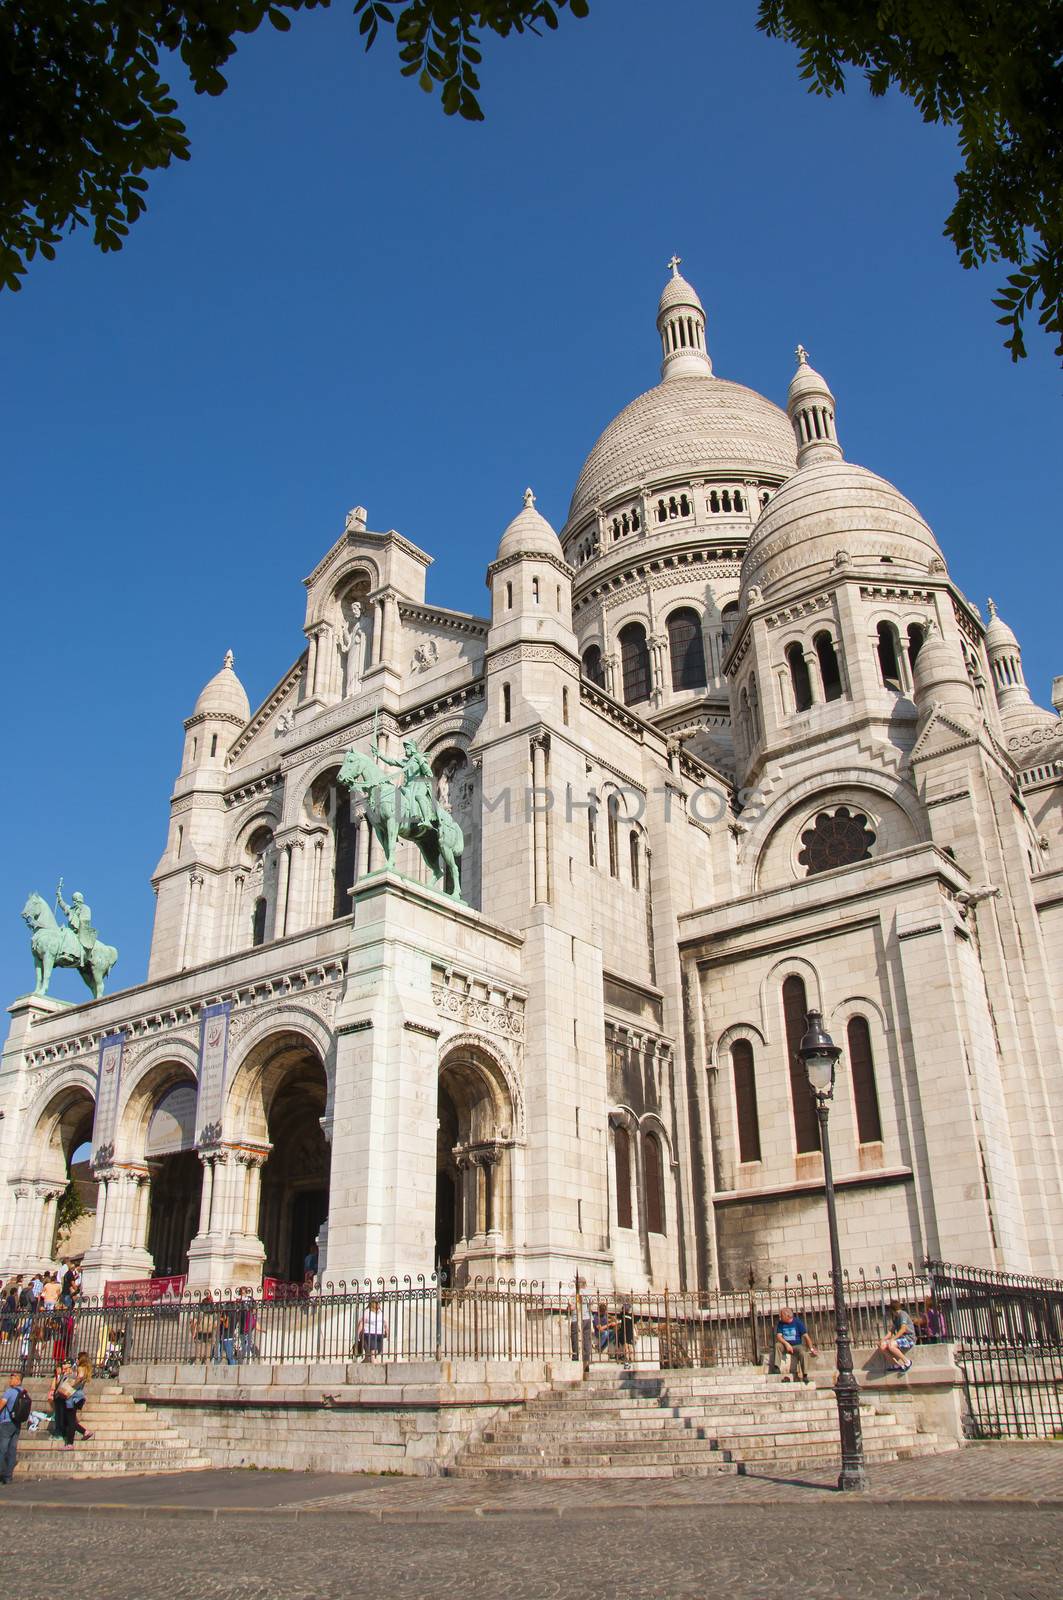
(31, 1008)
(382, 1200)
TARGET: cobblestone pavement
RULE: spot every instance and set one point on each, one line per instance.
(837, 1551)
(1031, 1473)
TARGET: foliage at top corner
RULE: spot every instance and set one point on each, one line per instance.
(86, 110)
(991, 69)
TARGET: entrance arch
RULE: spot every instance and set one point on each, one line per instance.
(475, 1122)
(159, 1127)
(281, 1094)
(63, 1156)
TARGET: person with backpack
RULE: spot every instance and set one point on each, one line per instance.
(14, 1411)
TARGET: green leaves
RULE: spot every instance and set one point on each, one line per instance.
(993, 70)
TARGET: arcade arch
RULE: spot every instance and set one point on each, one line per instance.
(62, 1152)
(158, 1134)
(474, 1176)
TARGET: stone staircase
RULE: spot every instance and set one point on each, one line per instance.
(688, 1423)
(127, 1438)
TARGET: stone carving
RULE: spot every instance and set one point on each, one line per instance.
(409, 811)
(426, 655)
(77, 946)
(285, 723)
(481, 1013)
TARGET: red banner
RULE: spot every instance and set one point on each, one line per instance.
(277, 1289)
(143, 1291)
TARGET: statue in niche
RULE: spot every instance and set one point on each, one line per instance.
(349, 637)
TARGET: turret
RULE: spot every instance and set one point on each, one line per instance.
(1017, 708)
(681, 325)
(218, 715)
(810, 406)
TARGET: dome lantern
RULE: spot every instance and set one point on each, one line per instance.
(810, 406)
(681, 325)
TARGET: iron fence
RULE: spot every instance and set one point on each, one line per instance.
(419, 1320)
(1007, 1333)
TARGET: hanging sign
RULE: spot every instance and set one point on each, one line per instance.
(213, 1061)
(108, 1083)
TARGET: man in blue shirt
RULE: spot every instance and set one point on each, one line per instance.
(791, 1340)
(9, 1428)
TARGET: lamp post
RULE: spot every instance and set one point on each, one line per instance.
(820, 1056)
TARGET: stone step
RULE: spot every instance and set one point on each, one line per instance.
(700, 1470)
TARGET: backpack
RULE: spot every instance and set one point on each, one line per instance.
(21, 1407)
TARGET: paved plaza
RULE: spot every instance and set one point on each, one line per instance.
(984, 1523)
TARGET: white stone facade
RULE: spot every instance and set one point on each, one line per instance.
(733, 746)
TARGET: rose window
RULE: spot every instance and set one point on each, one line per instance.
(836, 839)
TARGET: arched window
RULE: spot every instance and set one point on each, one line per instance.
(754, 709)
(862, 1068)
(258, 921)
(622, 1163)
(564, 704)
(535, 591)
(509, 597)
(633, 849)
(592, 835)
(829, 670)
(888, 663)
(507, 703)
(345, 839)
(800, 680)
(916, 635)
(728, 623)
(746, 1100)
(687, 650)
(593, 666)
(635, 663)
(653, 1181)
(795, 1012)
(611, 808)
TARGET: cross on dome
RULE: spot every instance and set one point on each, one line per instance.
(675, 263)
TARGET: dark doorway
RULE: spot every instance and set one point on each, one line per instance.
(295, 1178)
(448, 1187)
(176, 1188)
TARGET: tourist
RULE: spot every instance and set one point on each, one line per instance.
(225, 1332)
(372, 1331)
(246, 1324)
(75, 1400)
(930, 1324)
(900, 1337)
(791, 1342)
(604, 1328)
(50, 1291)
(14, 1410)
(204, 1327)
(35, 1288)
(62, 1386)
(9, 1310)
(581, 1326)
(625, 1331)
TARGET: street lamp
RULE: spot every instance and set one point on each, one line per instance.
(820, 1056)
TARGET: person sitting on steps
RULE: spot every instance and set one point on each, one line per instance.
(792, 1340)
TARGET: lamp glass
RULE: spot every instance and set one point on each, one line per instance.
(819, 1065)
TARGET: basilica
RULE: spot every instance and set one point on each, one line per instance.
(729, 746)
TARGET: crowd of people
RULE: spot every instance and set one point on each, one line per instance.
(39, 1310)
(903, 1331)
(62, 1420)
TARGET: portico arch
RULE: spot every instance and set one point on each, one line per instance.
(157, 1133)
(474, 1179)
(60, 1153)
(279, 1100)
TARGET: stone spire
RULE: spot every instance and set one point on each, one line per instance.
(810, 406)
(681, 325)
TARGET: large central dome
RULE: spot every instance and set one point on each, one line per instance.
(686, 426)
(691, 425)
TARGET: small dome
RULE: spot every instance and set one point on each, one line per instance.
(940, 677)
(834, 514)
(998, 636)
(224, 695)
(678, 292)
(529, 534)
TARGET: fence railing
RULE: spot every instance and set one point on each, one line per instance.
(1007, 1333)
(420, 1320)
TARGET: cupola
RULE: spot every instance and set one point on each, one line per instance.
(681, 325)
(810, 406)
(1017, 708)
(220, 712)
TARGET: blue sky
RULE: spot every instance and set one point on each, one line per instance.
(347, 298)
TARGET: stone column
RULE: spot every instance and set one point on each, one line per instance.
(284, 868)
(48, 1195)
(117, 1249)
